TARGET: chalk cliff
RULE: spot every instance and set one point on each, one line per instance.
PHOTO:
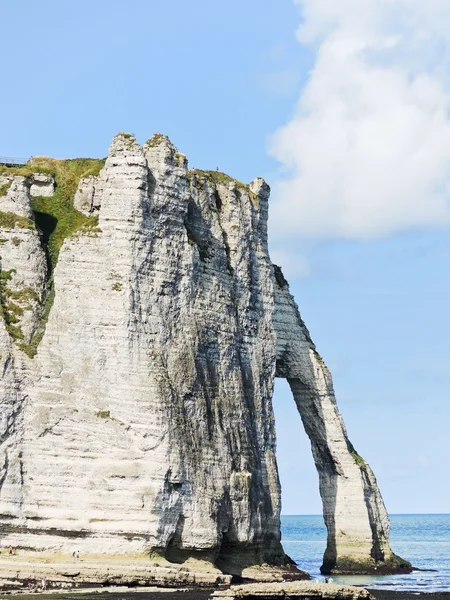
(138, 360)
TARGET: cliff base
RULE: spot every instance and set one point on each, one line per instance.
(349, 565)
(65, 572)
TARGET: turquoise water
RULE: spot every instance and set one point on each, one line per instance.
(424, 540)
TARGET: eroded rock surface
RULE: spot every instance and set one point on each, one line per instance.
(99, 573)
(292, 591)
(42, 185)
(88, 195)
(144, 423)
(22, 287)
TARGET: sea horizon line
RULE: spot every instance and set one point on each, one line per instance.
(429, 514)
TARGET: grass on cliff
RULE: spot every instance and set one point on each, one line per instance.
(10, 311)
(155, 140)
(4, 188)
(55, 215)
(9, 220)
(57, 219)
(356, 457)
(218, 178)
(13, 304)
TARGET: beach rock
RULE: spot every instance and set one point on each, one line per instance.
(64, 572)
(144, 423)
(293, 591)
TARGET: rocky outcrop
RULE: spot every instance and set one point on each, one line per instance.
(88, 195)
(144, 423)
(42, 185)
(297, 590)
(15, 198)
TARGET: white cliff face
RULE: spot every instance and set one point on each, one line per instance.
(22, 287)
(23, 262)
(88, 195)
(149, 422)
(144, 422)
(17, 197)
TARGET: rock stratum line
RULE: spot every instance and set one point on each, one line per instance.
(143, 326)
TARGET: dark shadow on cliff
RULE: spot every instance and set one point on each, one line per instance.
(47, 225)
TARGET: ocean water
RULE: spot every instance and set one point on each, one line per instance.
(424, 540)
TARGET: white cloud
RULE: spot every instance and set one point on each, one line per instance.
(367, 150)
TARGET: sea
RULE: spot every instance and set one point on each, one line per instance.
(424, 540)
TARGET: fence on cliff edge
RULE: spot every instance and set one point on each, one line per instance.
(9, 161)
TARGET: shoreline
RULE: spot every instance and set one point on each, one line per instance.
(184, 593)
(127, 573)
(125, 577)
(407, 595)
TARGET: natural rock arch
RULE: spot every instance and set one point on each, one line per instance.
(353, 509)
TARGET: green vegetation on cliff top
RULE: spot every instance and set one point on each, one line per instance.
(218, 178)
(57, 219)
(55, 215)
(155, 140)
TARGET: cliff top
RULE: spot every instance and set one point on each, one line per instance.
(56, 216)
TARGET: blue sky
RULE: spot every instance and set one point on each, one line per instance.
(343, 108)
